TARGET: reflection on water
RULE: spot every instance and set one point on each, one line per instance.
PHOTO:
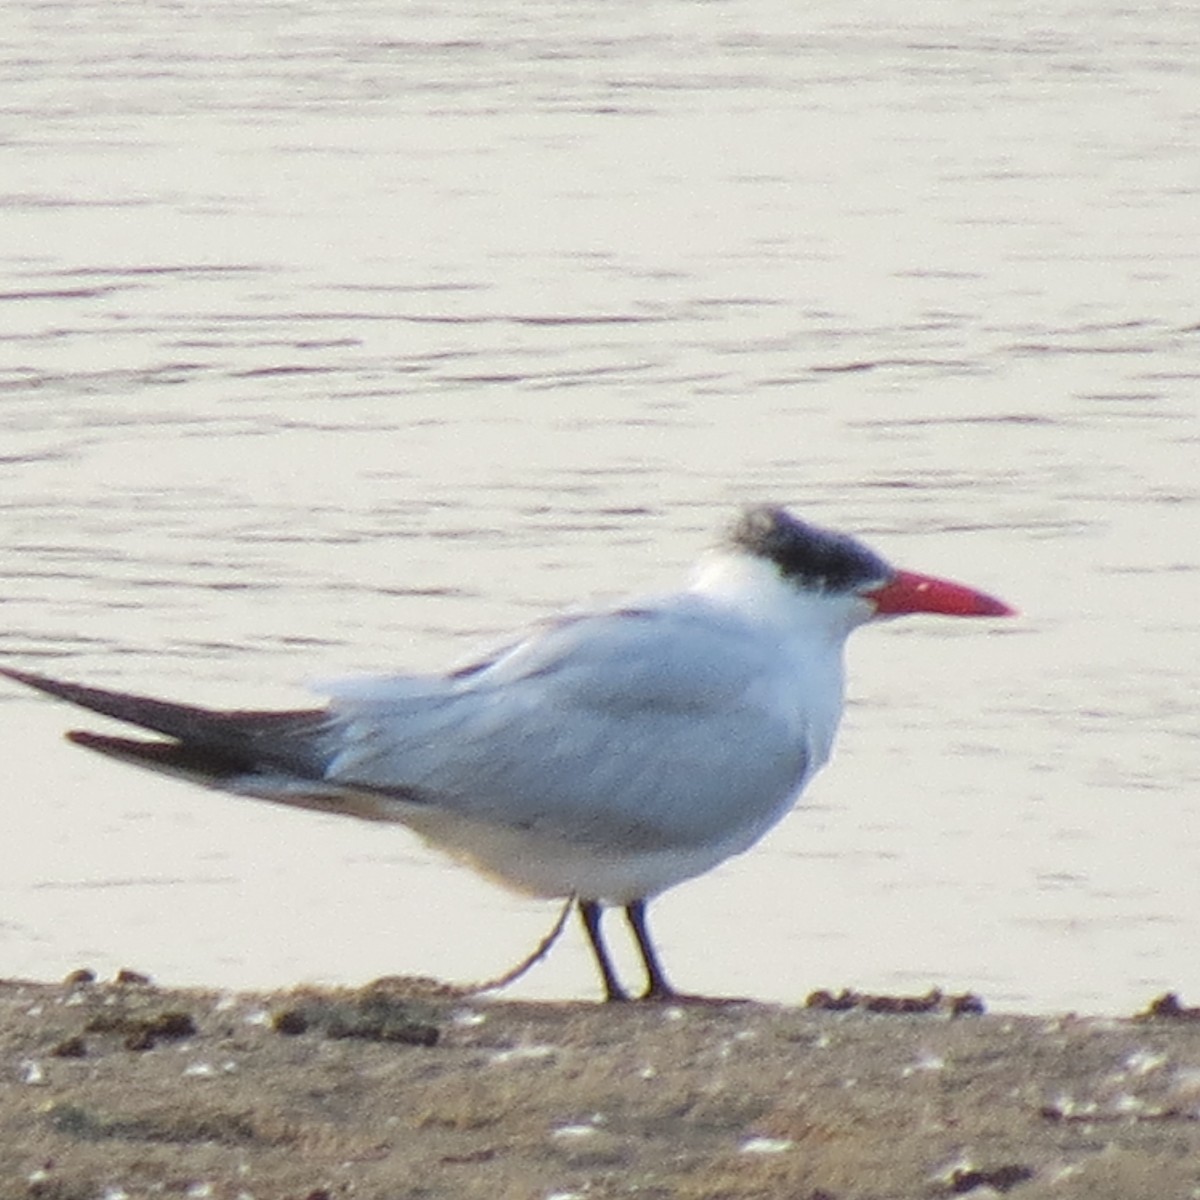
(348, 343)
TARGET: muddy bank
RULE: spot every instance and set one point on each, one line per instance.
(399, 1090)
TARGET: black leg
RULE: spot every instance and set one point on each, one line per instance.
(589, 911)
(657, 986)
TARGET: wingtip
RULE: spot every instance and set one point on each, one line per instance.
(81, 737)
(39, 682)
(26, 677)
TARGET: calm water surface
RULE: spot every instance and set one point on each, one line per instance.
(348, 337)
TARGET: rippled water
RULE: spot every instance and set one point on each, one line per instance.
(344, 337)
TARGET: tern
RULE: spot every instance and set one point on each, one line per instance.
(607, 756)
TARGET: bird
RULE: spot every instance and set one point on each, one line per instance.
(605, 757)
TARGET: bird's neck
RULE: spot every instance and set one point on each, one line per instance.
(807, 633)
(755, 589)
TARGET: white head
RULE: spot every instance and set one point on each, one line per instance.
(779, 569)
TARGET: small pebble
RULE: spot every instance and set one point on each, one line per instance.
(520, 1053)
(32, 1073)
(575, 1131)
(1142, 1062)
(291, 1021)
(765, 1145)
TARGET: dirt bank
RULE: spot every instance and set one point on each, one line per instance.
(127, 1090)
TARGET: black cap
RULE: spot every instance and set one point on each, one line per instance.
(816, 559)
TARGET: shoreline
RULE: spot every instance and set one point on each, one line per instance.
(403, 1088)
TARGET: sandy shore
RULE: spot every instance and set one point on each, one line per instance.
(125, 1090)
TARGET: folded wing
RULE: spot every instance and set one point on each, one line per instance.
(646, 729)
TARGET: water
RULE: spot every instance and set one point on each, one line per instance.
(347, 337)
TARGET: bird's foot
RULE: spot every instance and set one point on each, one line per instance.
(661, 995)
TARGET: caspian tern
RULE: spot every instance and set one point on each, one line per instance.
(607, 756)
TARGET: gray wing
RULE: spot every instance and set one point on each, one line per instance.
(651, 729)
(644, 728)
